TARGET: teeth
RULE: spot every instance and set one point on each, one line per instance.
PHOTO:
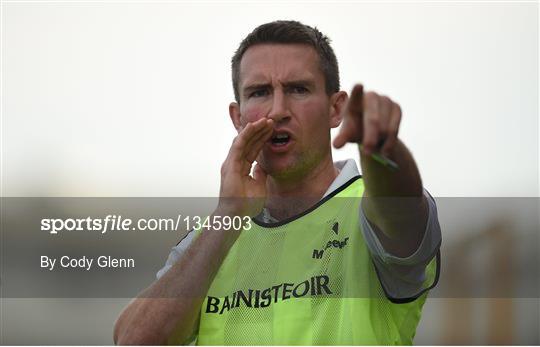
(282, 136)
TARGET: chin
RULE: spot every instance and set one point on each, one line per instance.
(281, 169)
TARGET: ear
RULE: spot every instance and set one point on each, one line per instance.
(234, 113)
(338, 102)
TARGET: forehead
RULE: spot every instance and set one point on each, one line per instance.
(284, 62)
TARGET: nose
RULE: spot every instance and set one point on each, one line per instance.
(279, 111)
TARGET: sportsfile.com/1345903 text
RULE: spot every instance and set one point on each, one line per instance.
(119, 223)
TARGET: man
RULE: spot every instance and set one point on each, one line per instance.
(314, 266)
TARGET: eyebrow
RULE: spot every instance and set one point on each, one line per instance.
(256, 86)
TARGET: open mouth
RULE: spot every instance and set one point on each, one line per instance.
(280, 139)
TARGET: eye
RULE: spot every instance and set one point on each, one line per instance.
(258, 93)
(299, 90)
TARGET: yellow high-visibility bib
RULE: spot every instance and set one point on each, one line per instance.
(309, 280)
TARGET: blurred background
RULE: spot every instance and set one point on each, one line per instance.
(130, 99)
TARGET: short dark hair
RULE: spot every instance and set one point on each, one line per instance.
(290, 32)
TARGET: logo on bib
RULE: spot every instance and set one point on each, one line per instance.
(260, 298)
(318, 253)
(333, 225)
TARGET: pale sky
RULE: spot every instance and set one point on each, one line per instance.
(131, 98)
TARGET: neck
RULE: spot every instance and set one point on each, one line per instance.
(287, 198)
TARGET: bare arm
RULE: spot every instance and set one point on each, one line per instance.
(393, 200)
(169, 308)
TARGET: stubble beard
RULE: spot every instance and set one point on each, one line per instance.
(298, 167)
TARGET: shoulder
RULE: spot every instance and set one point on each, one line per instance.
(176, 252)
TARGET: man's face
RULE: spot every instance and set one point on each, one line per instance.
(284, 82)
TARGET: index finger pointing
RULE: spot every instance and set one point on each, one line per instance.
(355, 106)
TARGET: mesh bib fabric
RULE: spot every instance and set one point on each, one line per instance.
(307, 281)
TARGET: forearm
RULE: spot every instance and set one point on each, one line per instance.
(394, 200)
(171, 305)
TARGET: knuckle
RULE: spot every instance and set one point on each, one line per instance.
(237, 143)
(396, 122)
(373, 121)
(391, 133)
(371, 98)
(386, 103)
(397, 109)
(371, 95)
(223, 169)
